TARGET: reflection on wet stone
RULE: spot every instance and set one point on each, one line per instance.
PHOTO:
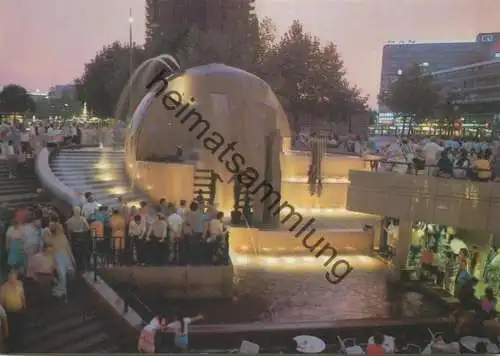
(299, 296)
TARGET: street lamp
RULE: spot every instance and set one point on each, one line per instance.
(130, 61)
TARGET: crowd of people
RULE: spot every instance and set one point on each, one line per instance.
(165, 234)
(36, 249)
(43, 247)
(19, 142)
(461, 159)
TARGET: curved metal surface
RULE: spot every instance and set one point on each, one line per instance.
(51, 183)
(237, 104)
(134, 89)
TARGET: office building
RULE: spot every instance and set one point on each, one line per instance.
(476, 88)
(164, 16)
(433, 57)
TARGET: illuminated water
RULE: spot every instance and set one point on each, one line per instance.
(284, 291)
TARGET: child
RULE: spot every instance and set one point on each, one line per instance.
(147, 339)
(180, 328)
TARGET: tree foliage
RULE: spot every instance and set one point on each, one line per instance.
(308, 77)
(14, 99)
(105, 77)
(65, 107)
(413, 96)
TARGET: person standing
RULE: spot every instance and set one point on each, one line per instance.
(58, 246)
(147, 338)
(157, 235)
(175, 223)
(136, 233)
(11, 159)
(15, 246)
(33, 241)
(489, 258)
(78, 230)
(216, 240)
(432, 151)
(13, 300)
(117, 224)
(90, 206)
(180, 328)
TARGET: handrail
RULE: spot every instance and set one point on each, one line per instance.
(50, 182)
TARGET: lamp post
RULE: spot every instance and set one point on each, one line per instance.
(130, 60)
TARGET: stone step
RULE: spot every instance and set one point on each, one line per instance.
(53, 326)
(54, 344)
(16, 190)
(18, 181)
(88, 344)
(89, 153)
(86, 150)
(72, 171)
(78, 183)
(83, 172)
(93, 157)
(67, 323)
(13, 199)
(87, 161)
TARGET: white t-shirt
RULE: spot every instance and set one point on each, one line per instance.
(89, 208)
(431, 150)
(216, 228)
(177, 327)
(153, 325)
(175, 222)
(10, 150)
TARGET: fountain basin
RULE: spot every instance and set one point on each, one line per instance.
(283, 242)
(183, 282)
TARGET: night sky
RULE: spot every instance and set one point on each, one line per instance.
(47, 42)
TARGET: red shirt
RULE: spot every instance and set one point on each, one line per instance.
(374, 349)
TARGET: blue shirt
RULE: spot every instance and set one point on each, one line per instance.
(200, 218)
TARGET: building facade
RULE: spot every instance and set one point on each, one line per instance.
(476, 88)
(207, 15)
(397, 57)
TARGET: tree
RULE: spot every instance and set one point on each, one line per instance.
(373, 116)
(412, 96)
(195, 43)
(14, 99)
(66, 106)
(106, 76)
(310, 79)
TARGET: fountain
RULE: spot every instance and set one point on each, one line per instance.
(246, 114)
(230, 124)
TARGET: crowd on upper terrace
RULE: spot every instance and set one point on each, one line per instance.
(457, 158)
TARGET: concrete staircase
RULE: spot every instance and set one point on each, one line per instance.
(202, 183)
(18, 192)
(51, 326)
(78, 326)
(98, 171)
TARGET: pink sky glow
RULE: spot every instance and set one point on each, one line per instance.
(47, 42)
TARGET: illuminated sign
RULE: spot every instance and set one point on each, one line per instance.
(402, 42)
